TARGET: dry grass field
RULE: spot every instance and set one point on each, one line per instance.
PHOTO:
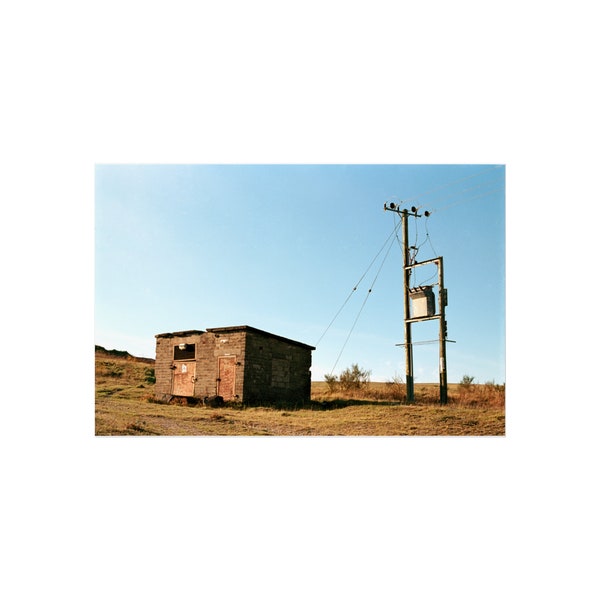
(125, 406)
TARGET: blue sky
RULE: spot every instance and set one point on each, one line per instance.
(281, 247)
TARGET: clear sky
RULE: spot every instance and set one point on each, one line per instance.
(281, 247)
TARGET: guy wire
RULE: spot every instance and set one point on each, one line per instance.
(363, 305)
(358, 283)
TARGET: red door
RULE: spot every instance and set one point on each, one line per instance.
(226, 380)
(184, 375)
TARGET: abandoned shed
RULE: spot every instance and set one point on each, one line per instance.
(239, 364)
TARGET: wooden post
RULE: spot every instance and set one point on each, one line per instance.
(410, 389)
(442, 312)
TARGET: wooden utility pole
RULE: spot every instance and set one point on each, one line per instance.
(442, 301)
(410, 384)
(408, 266)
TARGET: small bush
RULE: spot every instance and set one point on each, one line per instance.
(214, 401)
(466, 381)
(350, 379)
(332, 382)
(149, 375)
(396, 388)
(354, 378)
(109, 369)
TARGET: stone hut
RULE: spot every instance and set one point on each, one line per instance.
(239, 364)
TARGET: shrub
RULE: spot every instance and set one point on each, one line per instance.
(354, 378)
(149, 375)
(332, 382)
(109, 369)
(396, 388)
(466, 381)
(214, 401)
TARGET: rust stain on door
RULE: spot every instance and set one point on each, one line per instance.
(184, 376)
(226, 381)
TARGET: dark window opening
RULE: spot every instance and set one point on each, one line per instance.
(184, 352)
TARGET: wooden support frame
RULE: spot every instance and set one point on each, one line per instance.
(441, 316)
(408, 321)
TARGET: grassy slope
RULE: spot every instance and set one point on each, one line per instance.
(124, 391)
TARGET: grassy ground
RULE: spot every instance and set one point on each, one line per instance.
(124, 406)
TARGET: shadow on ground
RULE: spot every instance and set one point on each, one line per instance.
(333, 404)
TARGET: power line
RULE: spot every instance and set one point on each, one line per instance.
(429, 238)
(362, 306)
(394, 231)
(451, 205)
(426, 193)
(465, 190)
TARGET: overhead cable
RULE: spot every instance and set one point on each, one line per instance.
(435, 189)
(486, 184)
(452, 204)
(358, 283)
(363, 305)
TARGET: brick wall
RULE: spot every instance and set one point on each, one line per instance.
(265, 368)
(209, 347)
(276, 370)
(165, 344)
(230, 344)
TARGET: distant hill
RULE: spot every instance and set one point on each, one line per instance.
(100, 350)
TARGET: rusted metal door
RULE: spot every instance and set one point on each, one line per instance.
(226, 380)
(184, 375)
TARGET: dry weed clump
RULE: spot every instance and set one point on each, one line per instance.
(386, 393)
(390, 391)
(394, 392)
(487, 394)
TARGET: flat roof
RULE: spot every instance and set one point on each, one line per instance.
(233, 329)
(259, 331)
(179, 333)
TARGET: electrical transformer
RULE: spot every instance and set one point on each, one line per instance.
(423, 301)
